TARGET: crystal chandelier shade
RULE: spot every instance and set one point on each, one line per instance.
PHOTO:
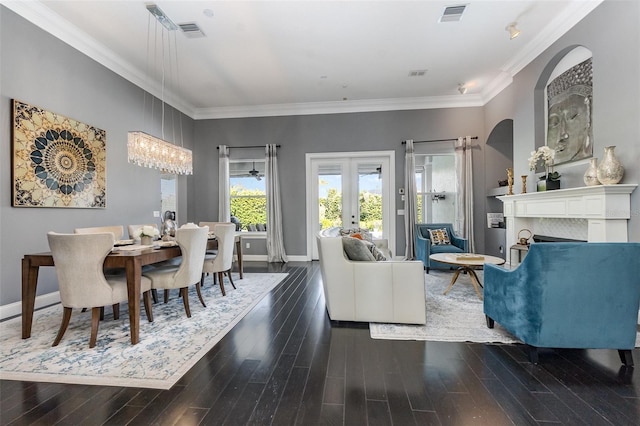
(149, 151)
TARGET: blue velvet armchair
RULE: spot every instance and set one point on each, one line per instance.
(424, 248)
(569, 295)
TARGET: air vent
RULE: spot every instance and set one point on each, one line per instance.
(417, 73)
(452, 13)
(191, 30)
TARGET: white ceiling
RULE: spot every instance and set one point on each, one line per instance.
(263, 58)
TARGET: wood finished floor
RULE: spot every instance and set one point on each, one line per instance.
(286, 364)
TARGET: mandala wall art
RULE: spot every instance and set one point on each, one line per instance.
(57, 161)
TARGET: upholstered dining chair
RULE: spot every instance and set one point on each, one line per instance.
(79, 259)
(116, 230)
(211, 226)
(221, 263)
(193, 244)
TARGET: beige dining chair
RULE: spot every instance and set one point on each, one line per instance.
(193, 244)
(78, 260)
(221, 263)
(116, 230)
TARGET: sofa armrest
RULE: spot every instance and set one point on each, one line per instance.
(383, 245)
(390, 291)
(460, 242)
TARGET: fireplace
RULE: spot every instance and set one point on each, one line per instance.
(550, 239)
(593, 214)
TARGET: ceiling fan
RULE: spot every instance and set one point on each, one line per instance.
(253, 172)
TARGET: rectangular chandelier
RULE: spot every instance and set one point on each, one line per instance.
(149, 151)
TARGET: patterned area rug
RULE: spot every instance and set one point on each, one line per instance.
(168, 347)
(456, 317)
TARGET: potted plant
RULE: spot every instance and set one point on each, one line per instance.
(147, 234)
(550, 179)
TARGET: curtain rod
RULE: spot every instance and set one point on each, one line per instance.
(242, 147)
(438, 140)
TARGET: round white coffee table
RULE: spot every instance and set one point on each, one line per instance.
(466, 262)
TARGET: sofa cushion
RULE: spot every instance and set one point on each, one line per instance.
(364, 234)
(356, 249)
(375, 251)
(445, 248)
(439, 236)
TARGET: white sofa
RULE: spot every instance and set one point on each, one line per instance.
(389, 291)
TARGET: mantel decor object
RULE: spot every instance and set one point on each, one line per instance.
(510, 180)
(591, 174)
(524, 183)
(610, 170)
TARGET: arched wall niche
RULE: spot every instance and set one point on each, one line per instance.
(499, 152)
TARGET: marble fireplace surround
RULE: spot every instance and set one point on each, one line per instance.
(593, 213)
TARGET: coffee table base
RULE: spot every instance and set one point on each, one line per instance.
(474, 279)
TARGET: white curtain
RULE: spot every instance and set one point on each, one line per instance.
(275, 238)
(464, 191)
(410, 211)
(224, 192)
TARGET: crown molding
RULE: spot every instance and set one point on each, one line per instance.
(555, 29)
(341, 107)
(44, 18)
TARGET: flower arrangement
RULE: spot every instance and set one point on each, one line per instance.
(147, 231)
(546, 155)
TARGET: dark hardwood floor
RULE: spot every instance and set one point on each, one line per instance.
(286, 364)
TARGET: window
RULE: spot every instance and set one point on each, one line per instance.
(436, 188)
(248, 191)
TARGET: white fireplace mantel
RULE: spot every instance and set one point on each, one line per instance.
(607, 209)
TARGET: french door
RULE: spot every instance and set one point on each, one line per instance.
(350, 190)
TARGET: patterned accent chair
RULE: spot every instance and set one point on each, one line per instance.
(425, 248)
(568, 295)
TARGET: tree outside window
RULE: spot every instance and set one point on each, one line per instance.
(248, 195)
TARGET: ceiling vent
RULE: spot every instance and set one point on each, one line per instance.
(417, 73)
(191, 30)
(452, 13)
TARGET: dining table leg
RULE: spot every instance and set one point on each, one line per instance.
(29, 284)
(239, 254)
(133, 268)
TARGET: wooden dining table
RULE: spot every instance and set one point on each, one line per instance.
(131, 260)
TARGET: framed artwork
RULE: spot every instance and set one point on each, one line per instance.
(56, 161)
(569, 121)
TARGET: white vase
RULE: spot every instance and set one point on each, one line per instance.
(146, 241)
(591, 175)
(610, 170)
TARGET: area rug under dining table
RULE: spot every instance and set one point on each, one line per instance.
(457, 316)
(168, 347)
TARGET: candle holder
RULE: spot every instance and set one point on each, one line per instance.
(510, 180)
(524, 184)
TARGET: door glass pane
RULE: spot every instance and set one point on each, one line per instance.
(168, 193)
(443, 183)
(329, 196)
(370, 197)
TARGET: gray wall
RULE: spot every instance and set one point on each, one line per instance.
(612, 33)
(299, 135)
(41, 70)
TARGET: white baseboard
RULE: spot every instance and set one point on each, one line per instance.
(263, 258)
(15, 309)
